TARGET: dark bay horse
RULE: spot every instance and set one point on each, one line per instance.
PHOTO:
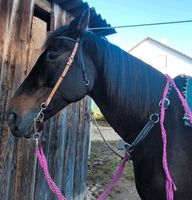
(127, 92)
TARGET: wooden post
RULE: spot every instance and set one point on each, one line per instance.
(66, 134)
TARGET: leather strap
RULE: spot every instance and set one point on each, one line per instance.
(64, 73)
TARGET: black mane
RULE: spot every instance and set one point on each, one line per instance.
(129, 80)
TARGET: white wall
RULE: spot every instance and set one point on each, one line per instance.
(162, 58)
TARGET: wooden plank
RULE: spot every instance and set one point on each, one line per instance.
(82, 150)
(16, 171)
(38, 36)
(58, 17)
(44, 5)
(55, 135)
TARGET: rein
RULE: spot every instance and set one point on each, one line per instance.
(154, 119)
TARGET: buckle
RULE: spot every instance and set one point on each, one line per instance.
(154, 118)
(166, 103)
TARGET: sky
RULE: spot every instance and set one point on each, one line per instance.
(128, 12)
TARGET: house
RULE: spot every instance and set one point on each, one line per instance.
(162, 57)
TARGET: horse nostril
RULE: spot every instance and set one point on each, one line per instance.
(12, 119)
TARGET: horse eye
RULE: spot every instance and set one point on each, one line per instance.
(52, 56)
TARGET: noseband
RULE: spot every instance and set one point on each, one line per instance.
(39, 119)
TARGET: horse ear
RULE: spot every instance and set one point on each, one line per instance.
(81, 23)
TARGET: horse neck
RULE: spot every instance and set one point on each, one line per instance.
(145, 87)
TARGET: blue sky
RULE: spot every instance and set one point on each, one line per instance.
(127, 12)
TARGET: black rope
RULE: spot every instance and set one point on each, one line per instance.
(140, 25)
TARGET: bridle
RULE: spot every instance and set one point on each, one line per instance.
(154, 118)
(39, 119)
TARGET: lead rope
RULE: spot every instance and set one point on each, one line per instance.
(43, 163)
(52, 185)
(116, 177)
(170, 185)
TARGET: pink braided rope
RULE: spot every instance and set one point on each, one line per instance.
(43, 163)
(115, 179)
(170, 185)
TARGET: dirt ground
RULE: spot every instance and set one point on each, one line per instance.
(102, 164)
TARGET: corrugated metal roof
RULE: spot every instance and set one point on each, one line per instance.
(76, 7)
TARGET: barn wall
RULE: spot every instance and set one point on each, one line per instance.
(66, 136)
(15, 25)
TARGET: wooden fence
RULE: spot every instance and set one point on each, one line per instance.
(66, 134)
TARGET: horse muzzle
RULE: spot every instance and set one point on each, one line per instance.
(20, 126)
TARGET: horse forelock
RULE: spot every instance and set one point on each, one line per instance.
(58, 32)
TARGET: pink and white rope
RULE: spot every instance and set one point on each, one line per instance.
(170, 185)
(115, 179)
(43, 163)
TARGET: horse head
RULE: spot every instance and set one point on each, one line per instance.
(35, 89)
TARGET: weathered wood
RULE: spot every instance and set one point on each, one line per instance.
(37, 40)
(82, 149)
(15, 24)
(44, 5)
(66, 134)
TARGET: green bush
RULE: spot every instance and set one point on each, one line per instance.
(99, 116)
